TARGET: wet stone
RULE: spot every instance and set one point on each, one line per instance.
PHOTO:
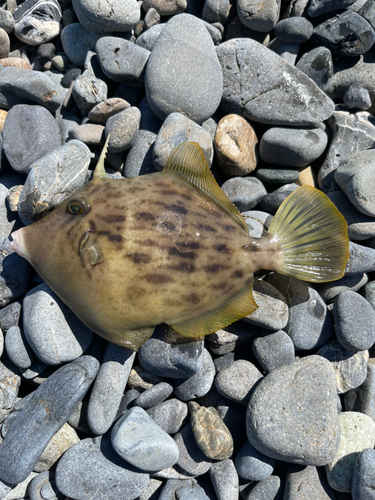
(142, 443)
(354, 321)
(155, 395)
(99, 17)
(306, 482)
(357, 434)
(294, 30)
(42, 416)
(211, 434)
(252, 465)
(274, 350)
(169, 415)
(139, 160)
(244, 193)
(191, 460)
(236, 381)
(124, 128)
(290, 418)
(328, 291)
(105, 109)
(52, 330)
(17, 348)
(92, 470)
(350, 369)
(224, 478)
(363, 483)
(261, 17)
(109, 387)
(29, 133)
(37, 21)
(357, 96)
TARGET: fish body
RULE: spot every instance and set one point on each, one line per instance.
(168, 247)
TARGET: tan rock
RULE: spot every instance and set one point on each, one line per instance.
(13, 197)
(307, 177)
(61, 441)
(3, 115)
(15, 62)
(236, 146)
(104, 110)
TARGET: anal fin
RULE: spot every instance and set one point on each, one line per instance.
(235, 308)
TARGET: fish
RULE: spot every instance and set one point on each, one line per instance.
(170, 247)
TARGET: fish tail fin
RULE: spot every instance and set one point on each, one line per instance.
(313, 236)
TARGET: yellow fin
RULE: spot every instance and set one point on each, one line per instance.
(99, 169)
(235, 308)
(188, 161)
(313, 236)
(132, 339)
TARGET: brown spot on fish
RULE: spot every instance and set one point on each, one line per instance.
(135, 292)
(168, 192)
(92, 226)
(251, 248)
(185, 267)
(185, 255)
(237, 274)
(191, 245)
(139, 258)
(192, 298)
(228, 227)
(181, 210)
(157, 279)
(145, 216)
(222, 248)
(112, 219)
(116, 238)
(205, 227)
(147, 243)
(214, 268)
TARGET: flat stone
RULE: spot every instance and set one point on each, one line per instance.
(91, 134)
(277, 175)
(169, 415)
(224, 478)
(274, 350)
(357, 434)
(290, 418)
(252, 465)
(259, 17)
(350, 369)
(236, 381)
(92, 470)
(194, 87)
(154, 395)
(109, 387)
(52, 330)
(17, 348)
(198, 384)
(267, 489)
(99, 17)
(363, 483)
(124, 128)
(37, 21)
(276, 94)
(15, 62)
(142, 443)
(105, 109)
(244, 192)
(191, 460)
(307, 482)
(42, 416)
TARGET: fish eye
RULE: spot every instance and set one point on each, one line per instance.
(78, 207)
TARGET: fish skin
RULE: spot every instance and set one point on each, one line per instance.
(150, 249)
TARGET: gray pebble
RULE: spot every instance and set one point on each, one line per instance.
(119, 15)
(165, 8)
(52, 179)
(121, 60)
(195, 492)
(368, 292)
(127, 402)
(363, 483)
(43, 416)
(176, 129)
(236, 381)
(149, 121)
(141, 379)
(274, 351)
(142, 443)
(286, 50)
(224, 478)
(350, 369)
(269, 95)
(92, 470)
(361, 259)
(17, 348)
(257, 222)
(268, 489)
(198, 384)
(194, 87)
(139, 160)
(191, 460)
(271, 201)
(105, 109)
(4, 44)
(169, 415)
(290, 418)
(88, 91)
(151, 18)
(78, 419)
(277, 175)
(124, 128)
(10, 316)
(294, 30)
(244, 192)
(9, 386)
(261, 17)
(292, 147)
(29, 133)
(215, 11)
(305, 307)
(6, 20)
(357, 96)
(76, 41)
(317, 64)
(307, 482)
(52, 330)
(319, 7)
(362, 398)
(155, 395)
(173, 361)
(252, 465)
(148, 38)
(328, 291)
(109, 387)
(38, 487)
(37, 21)
(90, 134)
(173, 485)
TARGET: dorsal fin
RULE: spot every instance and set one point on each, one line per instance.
(235, 308)
(99, 169)
(188, 161)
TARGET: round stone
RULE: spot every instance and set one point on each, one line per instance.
(105, 109)
(88, 91)
(165, 7)
(4, 44)
(274, 350)
(102, 17)
(252, 465)
(76, 41)
(123, 127)
(170, 415)
(294, 30)
(259, 17)
(235, 146)
(236, 381)
(244, 192)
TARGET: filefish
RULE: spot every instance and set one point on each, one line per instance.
(170, 247)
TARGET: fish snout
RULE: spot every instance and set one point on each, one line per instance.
(18, 243)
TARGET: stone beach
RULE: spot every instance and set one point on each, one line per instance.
(277, 406)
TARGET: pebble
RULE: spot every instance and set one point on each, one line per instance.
(139, 160)
(350, 369)
(76, 41)
(320, 7)
(36, 21)
(141, 379)
(52, 179)
(354, 176)
(363, 483)
(277, 175)
(236, 381)
(142, 443)
(29, 133)
(253, 465)
(317, 64)
(290, 418)
(88, 91)
(357, 97)
(361, 259)
(90, 134)
(306, 482)
(105, 109)
(216, 11)
(289, 147)
(328, 291)
(294, 30)
(4, 44)
(119, 15)
(191, 460)
(15, 62)
(15, 274)
(198, 384)
(274, 350)
(154, 395)
(10, 384)
(262, 17)
(52, 330)
(109, 387)
(124, 128)
(361, 399)
(42, 416)
(211, 434)
(224, 478)
(270, 97)
(236, 146)
(357, 434)
(6, 20)
(57, 446)
(368, 292)
(152, 18)
(165, 8)
(40, 483)
(244, 192)
(257, 221)
(148, 38)
(17, 348)
(305, 307)
(92, 470)
(268, 489)
(170, 415)
(122, 60)
(354, 321)
(10, 316)
(194, 87)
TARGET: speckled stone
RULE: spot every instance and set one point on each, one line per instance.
(244, 193)
(357, 434)
(224, 478)
(274, 350)
(99, 17)
(295, 29)
(259, 17)
(191, 460)
(211, 434)
(88, 91)
(124, 128)
(236, 381)
(17, 348)
(252, 465)
(306, 483)
(268, 489)
(76, 41)
(290, 418)
(363, 483)
(170, 415)
(10, 384)
(362, 398)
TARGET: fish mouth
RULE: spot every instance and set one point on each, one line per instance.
(18, 243)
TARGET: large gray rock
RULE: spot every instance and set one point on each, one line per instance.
(183, 73)
(260, 85)
(102, 17)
